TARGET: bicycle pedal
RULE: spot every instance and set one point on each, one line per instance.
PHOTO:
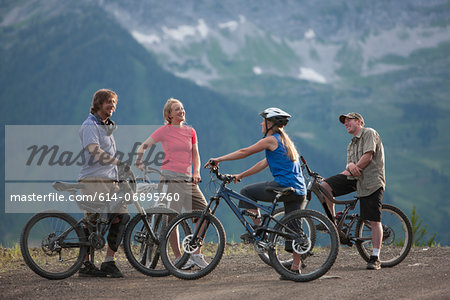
(357, 241)
(140, 237)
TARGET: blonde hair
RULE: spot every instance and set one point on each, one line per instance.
(288, 143)
(168, 109)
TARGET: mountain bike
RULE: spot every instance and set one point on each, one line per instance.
(54, 245)
(142, 236)
(293, 235)
(353, 230)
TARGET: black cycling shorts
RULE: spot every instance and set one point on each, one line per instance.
(260, 192)
(370, 206)
(341, 185)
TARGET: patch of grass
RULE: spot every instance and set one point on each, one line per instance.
(232, 249)
(9, 257)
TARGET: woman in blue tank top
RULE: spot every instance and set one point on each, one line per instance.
(281, 158)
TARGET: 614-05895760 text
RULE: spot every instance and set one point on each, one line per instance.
(101, 197)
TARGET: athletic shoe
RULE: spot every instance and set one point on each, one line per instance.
(189, 264)
(90, 270)
(199, 261)
(111, 269)
(374, 263)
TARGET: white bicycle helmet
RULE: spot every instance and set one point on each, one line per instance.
(276, 115)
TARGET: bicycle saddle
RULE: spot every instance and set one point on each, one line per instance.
(281, 192)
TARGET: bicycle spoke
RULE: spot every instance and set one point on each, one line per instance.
(190, 257)
(141, 250)
(310, 250)
(397, 237)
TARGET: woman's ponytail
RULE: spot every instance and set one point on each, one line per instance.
(287, 142)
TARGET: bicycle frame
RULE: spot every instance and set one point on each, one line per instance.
(227, 194)
(99, 227)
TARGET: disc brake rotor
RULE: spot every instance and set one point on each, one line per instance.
(186, 245)
(302, 245)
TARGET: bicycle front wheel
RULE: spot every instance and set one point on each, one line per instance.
(52, 245)
(141, 250)
(189, 257)
(397, 236)
(278, 215)
(312, 252)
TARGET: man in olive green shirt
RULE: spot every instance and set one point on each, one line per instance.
(364, 174)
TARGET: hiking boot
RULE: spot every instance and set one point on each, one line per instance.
(374, 263)
(282, 277)
(189, 264)
(199, 261)
(111, 269)
(90, 270)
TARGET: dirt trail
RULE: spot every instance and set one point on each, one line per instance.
(423, 275)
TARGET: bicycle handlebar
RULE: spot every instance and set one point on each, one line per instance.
(214, 168)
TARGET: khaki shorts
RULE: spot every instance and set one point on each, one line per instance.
(181, 194)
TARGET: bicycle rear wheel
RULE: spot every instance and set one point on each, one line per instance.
(51, 245)
(141, 250)
(314, 251)
(210, 242)
(397, 236)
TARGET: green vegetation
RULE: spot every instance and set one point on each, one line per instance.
(9, 256)
(421, 236)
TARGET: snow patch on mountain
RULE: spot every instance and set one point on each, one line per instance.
(146, 39)
(205, 51)
(310, 34)
(311, 75)
(181, 32)
(257, 70)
